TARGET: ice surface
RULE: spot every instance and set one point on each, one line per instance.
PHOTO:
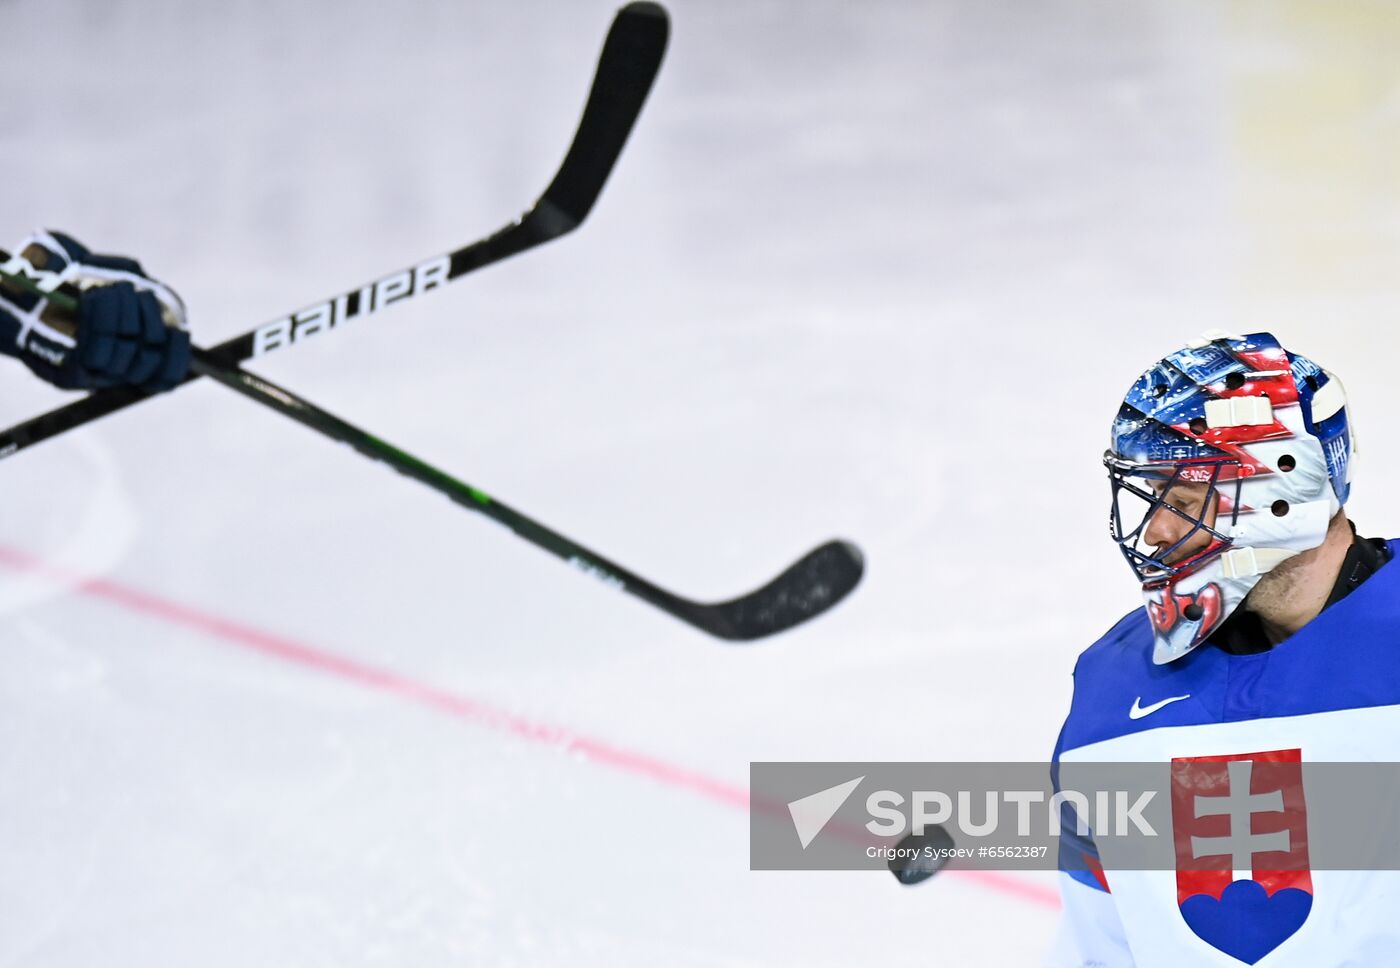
(876, 270)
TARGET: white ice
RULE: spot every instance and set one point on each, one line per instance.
(874, 270)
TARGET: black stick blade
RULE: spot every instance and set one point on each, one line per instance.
(811, 586)
(626, 69)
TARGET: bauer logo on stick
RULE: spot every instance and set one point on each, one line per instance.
(366, 300)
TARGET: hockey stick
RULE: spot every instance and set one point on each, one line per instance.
(810, 586)
(626, 69)
(813, 584)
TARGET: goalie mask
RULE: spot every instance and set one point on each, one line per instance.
(1227, 458)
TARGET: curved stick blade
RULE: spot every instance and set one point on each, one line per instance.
(809, 587)
(627, 68)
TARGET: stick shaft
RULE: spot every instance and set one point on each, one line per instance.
(308, 414)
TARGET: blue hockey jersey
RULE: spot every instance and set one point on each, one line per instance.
(1329, 693)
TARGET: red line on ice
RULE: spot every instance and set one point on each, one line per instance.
(463, 707)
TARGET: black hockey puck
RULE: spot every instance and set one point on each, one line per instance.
(1193, 612)
(919, 856)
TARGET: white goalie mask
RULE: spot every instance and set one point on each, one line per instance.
(1244, 451)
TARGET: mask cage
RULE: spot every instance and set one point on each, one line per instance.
(1149, 487)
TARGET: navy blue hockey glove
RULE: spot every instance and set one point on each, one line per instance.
(129, 330)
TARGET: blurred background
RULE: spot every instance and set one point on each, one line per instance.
(877, 270)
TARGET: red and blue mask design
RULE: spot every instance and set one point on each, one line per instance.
(1227, 458)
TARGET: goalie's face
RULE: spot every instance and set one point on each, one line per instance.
(1164, 515)
(1171, 529)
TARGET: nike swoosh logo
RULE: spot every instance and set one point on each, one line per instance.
(1137, 712)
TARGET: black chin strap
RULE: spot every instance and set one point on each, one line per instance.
(1364, 558)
